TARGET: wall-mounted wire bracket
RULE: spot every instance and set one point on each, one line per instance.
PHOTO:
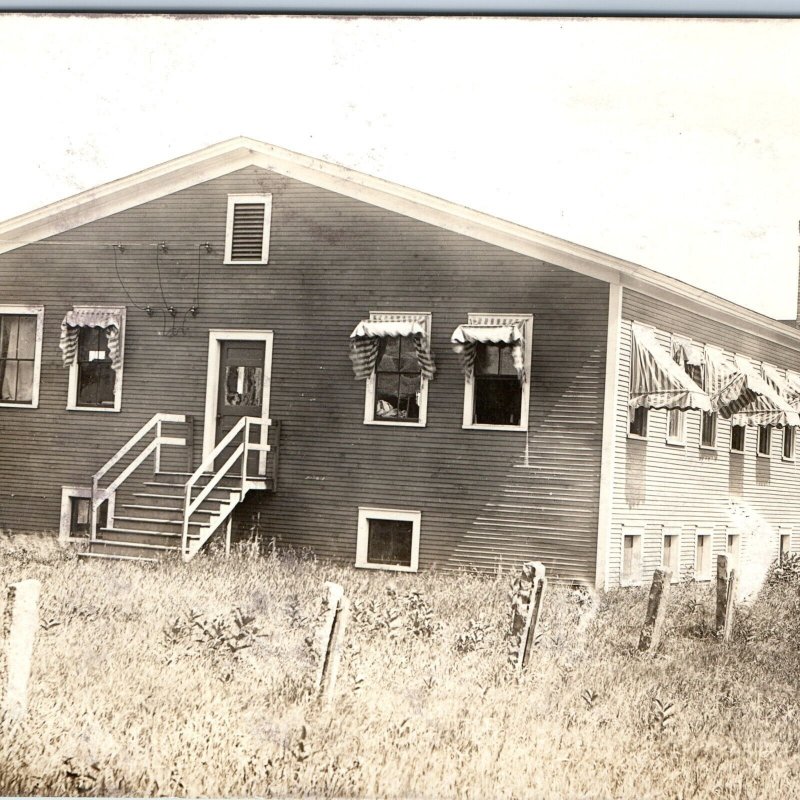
(148, 310)
(162, 246)
(207, 247)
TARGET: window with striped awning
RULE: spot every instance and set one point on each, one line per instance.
(247, 235)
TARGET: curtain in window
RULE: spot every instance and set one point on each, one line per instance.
(466, 339)
(657, 381)
(108, 319)
(365, 344)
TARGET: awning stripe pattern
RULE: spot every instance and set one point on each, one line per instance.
(768, 407)
(686, 352)
(108, 319)
(657, 381)
(466, 338)
(365, 345)
(785, 387)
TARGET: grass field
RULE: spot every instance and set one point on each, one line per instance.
(197, 680)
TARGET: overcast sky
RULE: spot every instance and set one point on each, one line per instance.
(671, 143)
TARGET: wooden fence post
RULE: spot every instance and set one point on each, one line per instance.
(330, 638)
(726, 597)
(653, 627)
(526, 607)
(20, 623)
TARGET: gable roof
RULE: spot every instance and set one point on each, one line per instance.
(240, 152)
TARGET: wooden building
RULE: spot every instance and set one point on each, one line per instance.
(250, 342)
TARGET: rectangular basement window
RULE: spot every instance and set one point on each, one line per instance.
(631, 556)
(784, 543)
(388, 538)
(248, 226)
(702, 556)
(76, 514)
(671, 551)
(733, 550)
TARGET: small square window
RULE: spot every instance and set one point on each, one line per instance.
(638, 422)
(788, 443)
(248, 226)
(708, 429)
(388, 539)
(738, 438)
(631, 556)
(764, 440)
(702, 556)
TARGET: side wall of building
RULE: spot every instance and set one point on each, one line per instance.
(486, 496)
(658, 485)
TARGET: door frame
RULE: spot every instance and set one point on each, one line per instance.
(215, 339)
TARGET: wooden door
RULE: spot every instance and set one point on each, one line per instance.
(240, 392)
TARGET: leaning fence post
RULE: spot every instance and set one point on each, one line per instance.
(653, 627)
(726, 597)
(20, 623)
(330, 638)
(526, 607)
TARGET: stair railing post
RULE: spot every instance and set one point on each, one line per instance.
(157, 465)
(93, 526)
(187, 501)
(245, 452)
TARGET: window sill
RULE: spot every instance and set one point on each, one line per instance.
(389, 567)
(94, 409)
(393, 424)
(790, 460)
(710, 448)
(637, 438)
(675, 442)
(736, 452)
(763, 455)
(244, 263)
(19, 405)
(477, 427)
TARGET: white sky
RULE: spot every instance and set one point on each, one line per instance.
(671, 143)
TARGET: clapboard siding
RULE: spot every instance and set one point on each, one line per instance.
(661, 485)
(332, 260)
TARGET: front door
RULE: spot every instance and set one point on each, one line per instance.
(240, 391)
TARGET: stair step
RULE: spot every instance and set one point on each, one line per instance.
(175, 511)
(140, 537)
(151, 521)
(112, 557)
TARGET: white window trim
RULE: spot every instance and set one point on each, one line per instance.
(72, 391)
(709, 534)
(784, 457)
(67, 493)
(736, 555)
(233, 199)
(714, 445)
(365, 514)
(784, 530)
(676, 532)
(744, 439)
(637, 436)
(768, 454)
(369, 394)
(637, 579)
(680, 440)
(37, 356)
(526, 322)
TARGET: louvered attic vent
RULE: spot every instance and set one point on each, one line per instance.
(247, 239)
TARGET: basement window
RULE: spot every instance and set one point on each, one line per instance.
(784, 543)
(631, 573)
(20, 355)
(738, 437)
(671, 551)
(388, 538)
(76, 514)
(702, 556)
(248, 226)
(733, 550)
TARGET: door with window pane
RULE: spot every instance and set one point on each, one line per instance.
(17, 356)
(240, 392)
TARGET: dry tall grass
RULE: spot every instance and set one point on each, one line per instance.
(148, 681)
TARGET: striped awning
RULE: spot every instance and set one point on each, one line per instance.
(788, 388)
(684, 351)
(740, 394)
(365, 345)
(793, 382)
(657, 381)
(110, 319)
(466, 339)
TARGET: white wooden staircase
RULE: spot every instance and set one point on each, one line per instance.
(146, 513)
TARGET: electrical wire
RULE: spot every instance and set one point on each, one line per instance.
(121, 283)
(158, 270)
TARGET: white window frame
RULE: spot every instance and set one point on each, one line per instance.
(784, 533)
(639, 436)
(371, 382)
(365, 514)
(233, 199)
(708, 534)
(715, 420)
(525, 321)
(793, 431)
(67, 493)
(38, 311)
(676, 555)
(680, 439)
(768, 453)
(744, 439)
(72, 390)
(734, 554)
(636, 532)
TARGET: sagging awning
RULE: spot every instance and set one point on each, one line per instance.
(109, 319)
(684, 351)
(365, 345)
(788, 388)
(466, 338)
(740, 394)
(657, 381)
(793, 381)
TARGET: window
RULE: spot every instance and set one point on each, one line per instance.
(676, 426)
(94, 354)
(637, 425)
(784, 543)
(788, 443)
(20, 355)
(708, 429)
(388, 539)
(733, 546)
(671, 551)
(631, 556)
(247, 232)
(738, 433)
(764, 440)
(76, 514)
(498, 367)
(702, 555)
(397, 390)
